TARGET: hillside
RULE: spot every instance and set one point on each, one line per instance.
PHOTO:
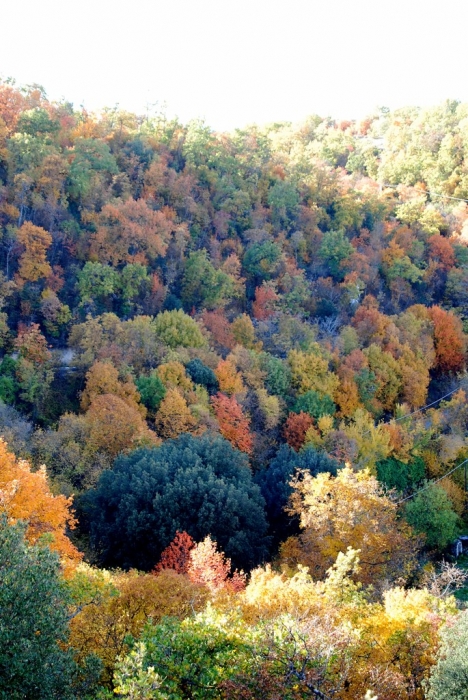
(252, 342)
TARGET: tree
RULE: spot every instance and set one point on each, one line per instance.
(209, 567)
(103, 378)
(349, 510)
(32, 345)
(25, 495)
(176, 556)
(200, 485)
(233, 424)
(395, 474)
(33, 621)
(97, 283)
(261, 260)
(229, 379)
(450, 344)
(55, 314)
(244, 332)
(203, 375)
(315, 405)
(448, 678)
(431, 514)
(34, 373)
(295, 429)
(114, 425)
(71, 459)
(270, 408)
(130, 232)
(117, 606)
(173, 376)
(309, 371)
(133, 680)
(278, 379)
(133, 278)
(219, 328)
(203, 286)
(334, 250)
(189, 659)
(176, 329)
(33, 261)
(151, 390)
(275, 484)
(264, 304)
(174, 416)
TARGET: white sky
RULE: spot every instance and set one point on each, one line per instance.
(235, 62)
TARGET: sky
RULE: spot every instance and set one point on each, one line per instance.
(234, 63)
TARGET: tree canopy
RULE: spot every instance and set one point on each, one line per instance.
(198, 484)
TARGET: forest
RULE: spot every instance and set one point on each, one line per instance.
(233, 405)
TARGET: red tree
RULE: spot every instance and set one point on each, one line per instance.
(219, 327)
(448, 340)
(233, 424)
(264, 304)
(295, 429)
(176, 556)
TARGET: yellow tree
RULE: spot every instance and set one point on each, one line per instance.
(174, 416)
(33, 261)
(120, 607)
(173, 374)
(244, 332)
(25, 495)
(230, 380)
(114, 425)
(309, 371)
(349, 510)
(103, 378)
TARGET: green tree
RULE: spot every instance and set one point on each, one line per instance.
(198, 484)
(9, 386)
(395, 474)
(315, 405)
(283, 199)
(91, 158)
(97, 283)
(199, 373)
(203, 286)
(151, 390)
(431, 514)
(278, 379)
(34, 664)
(334, 250)
(261, 261)
(176, 329)
(449, 676)
(186, 659)
(133, 278)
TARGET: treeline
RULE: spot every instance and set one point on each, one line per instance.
(257, 338)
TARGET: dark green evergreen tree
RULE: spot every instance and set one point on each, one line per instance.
(198, 484)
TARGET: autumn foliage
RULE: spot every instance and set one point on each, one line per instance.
(349, 510)
(35, 242)
(209, 567)
(295, 429)
(174, 416)
(233, 424)
(25, 495)
(176, 556)
(147, 264)
(130, 232)
(450, 345)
